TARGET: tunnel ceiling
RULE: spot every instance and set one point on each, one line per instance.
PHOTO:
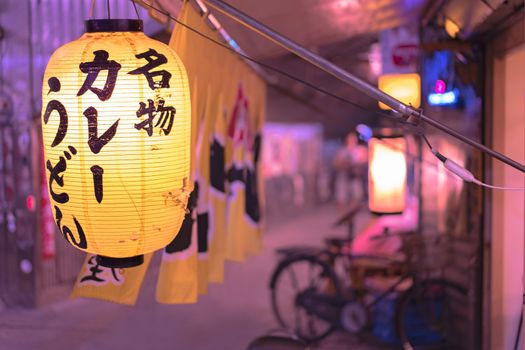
(315, 23)
(339, 30)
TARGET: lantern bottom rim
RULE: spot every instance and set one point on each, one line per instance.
(120, 263)
(380, 213)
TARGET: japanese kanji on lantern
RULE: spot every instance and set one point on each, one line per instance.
(116, 127)
(387, 172)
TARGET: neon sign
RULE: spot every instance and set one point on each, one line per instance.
(443, 99)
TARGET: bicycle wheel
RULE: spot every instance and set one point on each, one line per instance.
(425, 315)
(304, 295)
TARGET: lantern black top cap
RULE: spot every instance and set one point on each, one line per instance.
(114, 25)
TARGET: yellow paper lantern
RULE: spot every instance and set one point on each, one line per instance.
(387, 174)
(116, 126)
(404, 87)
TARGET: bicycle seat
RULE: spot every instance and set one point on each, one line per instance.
(337, 242)
(297, 250)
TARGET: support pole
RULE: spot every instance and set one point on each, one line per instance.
(404, 112)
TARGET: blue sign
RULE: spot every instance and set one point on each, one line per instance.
(444, 99)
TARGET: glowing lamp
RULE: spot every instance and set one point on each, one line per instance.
(404, 87)
(451, 28)
(387, 174)
(116, 131)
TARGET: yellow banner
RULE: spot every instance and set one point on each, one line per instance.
(224, 211)
(217, 195)
(177, 281)
(243, 147)
(117, 285)
(228, 106)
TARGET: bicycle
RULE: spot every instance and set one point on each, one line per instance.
(335, 296)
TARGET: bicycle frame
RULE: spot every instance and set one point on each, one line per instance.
(340, 301)
(389, 291)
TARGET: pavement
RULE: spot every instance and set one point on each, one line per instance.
(229, 317)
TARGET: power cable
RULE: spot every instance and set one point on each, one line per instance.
(136, 10)
(462, 172)
(269, 67)
(452, 166)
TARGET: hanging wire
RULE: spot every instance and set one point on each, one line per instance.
(281, 72)
(422, 134)
(408, 125)
(269, 67)
(477, 182)
(136, 10)
(413, 157)
(418, 130)
(461, 172)
(109, 10)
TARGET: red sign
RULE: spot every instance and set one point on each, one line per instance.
(405, 55)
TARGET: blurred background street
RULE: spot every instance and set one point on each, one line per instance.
(100, 151)
(230, 316)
